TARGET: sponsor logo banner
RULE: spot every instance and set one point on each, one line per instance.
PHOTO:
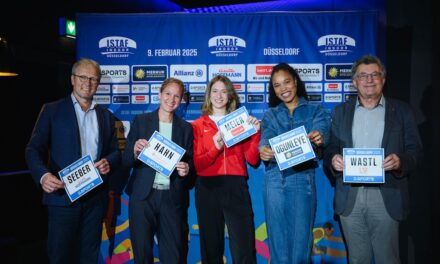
(347, 97)
(226, 46)
(259, 72)
(154, 99)
(338, 71)
(149, 73)
(255, 88)
(333, 87)
(313, 87)
(309, 72)
(333, 98)
(235, 72)
(155, 87)
(196, 98)
(102, 99)
(315, 97)
(336, 45)
(121, 99)
(140, 88)
(349, 87)
(117, 47)
(255, 98)
(103, 89)
(239, 87)
(197, 88)
(120, 88)
(115, 73)
(189, 72)
(140, 99)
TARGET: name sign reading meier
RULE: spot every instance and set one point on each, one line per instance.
(235, 128)
(162, 154)
(363, 165)
(292, 148)
(80, 177)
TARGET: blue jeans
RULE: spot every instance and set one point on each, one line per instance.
(290, 203)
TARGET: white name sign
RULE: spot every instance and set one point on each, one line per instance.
(292, 148)
(80, 177)
(363, 165)
(235, 127)
(162, 154)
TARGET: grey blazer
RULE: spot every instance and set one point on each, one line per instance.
(400, 137)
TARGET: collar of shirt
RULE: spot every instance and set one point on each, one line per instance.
(380, 103)
(75, 101)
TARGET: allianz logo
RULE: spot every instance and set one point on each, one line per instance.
(198, 73)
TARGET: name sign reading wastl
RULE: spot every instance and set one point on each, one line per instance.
(80, 177)
(292, 148)
(235, 128)
(363, 165)
(162, 154)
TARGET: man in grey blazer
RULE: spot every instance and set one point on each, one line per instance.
(65, 131)
(370, 213)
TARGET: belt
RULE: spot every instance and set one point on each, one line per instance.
(161, 186)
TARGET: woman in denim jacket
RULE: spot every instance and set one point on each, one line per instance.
(289, 195)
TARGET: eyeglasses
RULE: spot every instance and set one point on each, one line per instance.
(84, 79)
(364, 76)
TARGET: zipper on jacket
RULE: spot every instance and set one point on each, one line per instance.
(224, 159)
(291, 119)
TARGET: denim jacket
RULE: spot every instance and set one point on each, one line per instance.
(277, 120)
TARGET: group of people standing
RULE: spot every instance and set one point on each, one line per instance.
(75, 126)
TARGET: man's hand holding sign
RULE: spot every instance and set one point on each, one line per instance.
(82, 176)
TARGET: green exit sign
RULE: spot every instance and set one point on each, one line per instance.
(70, 28)
(67, 28)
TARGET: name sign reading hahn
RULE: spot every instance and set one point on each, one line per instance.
(162, 154)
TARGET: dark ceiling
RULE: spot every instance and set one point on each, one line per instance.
(202, 3)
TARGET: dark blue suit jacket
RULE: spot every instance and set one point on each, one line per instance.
(55, 144)
(142, 176)
(400, 137)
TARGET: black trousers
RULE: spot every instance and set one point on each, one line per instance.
(75, 232)
(220, 200)
(159, 215)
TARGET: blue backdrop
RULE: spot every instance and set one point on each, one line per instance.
(138, 51)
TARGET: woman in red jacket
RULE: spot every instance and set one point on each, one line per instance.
(222, 194)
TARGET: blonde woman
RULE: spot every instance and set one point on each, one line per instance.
(222, 195)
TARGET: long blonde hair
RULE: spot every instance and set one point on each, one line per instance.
(233, 100)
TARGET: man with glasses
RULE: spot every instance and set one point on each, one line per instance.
(370, 213)
(65, 131)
